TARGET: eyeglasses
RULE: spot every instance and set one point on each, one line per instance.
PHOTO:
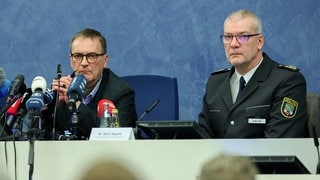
(91, 57)
(242, 38)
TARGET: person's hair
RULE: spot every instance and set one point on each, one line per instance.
(108, 170)
(91, 33)
(243, 14)
(228, 167)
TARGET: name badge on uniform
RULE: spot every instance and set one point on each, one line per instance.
(256, 121)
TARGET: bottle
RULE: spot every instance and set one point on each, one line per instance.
(105, 119)
(115, 118)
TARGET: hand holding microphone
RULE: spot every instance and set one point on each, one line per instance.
(62, 87)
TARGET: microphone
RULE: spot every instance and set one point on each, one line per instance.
(316, 143)
(17, 87)
(22, 110)
(76, 90)
(48, 96)
(59, 70)
(4, 88)
(149, 109)
(12, 111)
(35, 102)
(149, 133)
(105, 103)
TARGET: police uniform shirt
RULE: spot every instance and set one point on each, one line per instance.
(234, 81)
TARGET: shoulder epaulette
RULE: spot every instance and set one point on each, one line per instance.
(220, 71)
(289, 67)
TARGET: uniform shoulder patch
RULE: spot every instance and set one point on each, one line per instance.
(289, 67)
(289, 107)
(220, 71)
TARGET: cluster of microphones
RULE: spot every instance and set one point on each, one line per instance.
(22, 107)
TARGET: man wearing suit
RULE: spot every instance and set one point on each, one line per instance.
(88, 56)
(270, 99)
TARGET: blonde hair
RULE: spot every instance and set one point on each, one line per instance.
(108, 170)
(228, 167)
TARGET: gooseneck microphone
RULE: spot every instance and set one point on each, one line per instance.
(149, 109)
(59, 71)
(149, 132)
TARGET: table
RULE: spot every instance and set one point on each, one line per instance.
(151, 159)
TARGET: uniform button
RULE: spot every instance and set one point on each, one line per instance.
(232, 122)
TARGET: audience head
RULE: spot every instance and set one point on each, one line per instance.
(228, 167)
(109, 170)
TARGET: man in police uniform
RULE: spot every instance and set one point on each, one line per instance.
(269, 100)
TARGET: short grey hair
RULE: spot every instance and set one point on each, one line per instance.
(245, 13)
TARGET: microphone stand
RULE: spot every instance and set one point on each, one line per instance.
(33, 119)
(74, 126)
(56, 103)
(149, 132)
(31, 157)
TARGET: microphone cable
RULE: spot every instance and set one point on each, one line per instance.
(14, 153)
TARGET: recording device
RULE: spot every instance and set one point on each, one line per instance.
(76, 90)
(18, 87)
(105, 103)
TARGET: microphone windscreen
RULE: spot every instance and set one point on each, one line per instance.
(13, 109)
(4, 89)
(104, 103)
(78, 86)
(48, 96)
(39, 83)
(35, 101)
(17, 85)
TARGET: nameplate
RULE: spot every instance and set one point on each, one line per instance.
(111, 134)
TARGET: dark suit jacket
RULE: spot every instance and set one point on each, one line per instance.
(113, 88)
(273, 104)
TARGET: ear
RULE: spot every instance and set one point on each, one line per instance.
(261, 42)
(106, 59)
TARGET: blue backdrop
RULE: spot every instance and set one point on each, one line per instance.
(177, 38)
